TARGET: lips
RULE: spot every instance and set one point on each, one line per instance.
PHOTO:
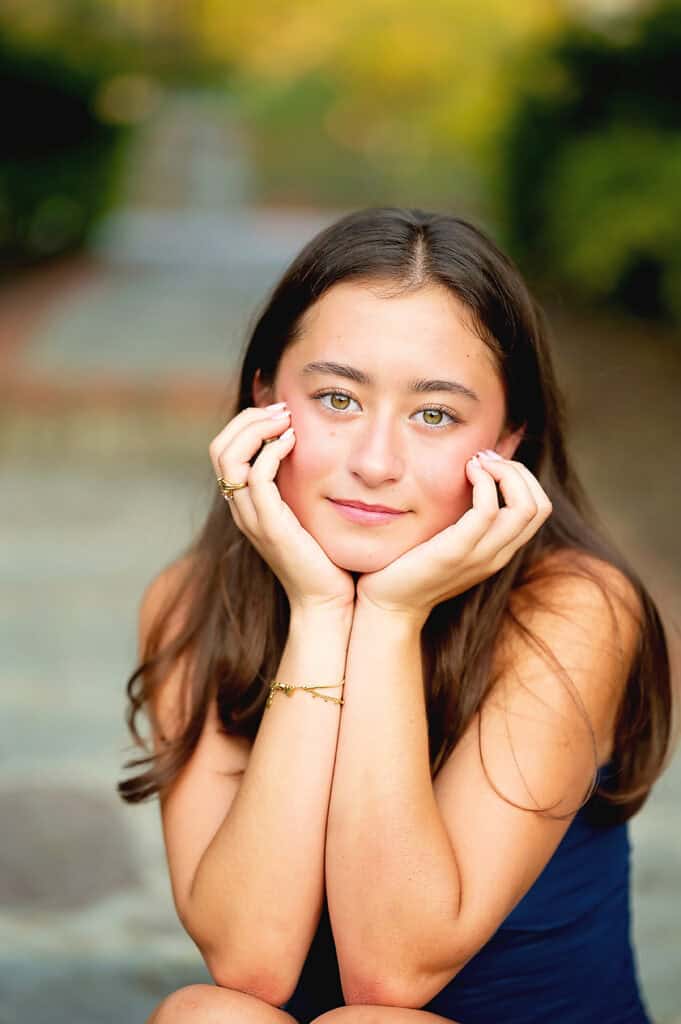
(368, 508)
(366, 515)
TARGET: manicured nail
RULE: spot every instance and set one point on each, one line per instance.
(283, 414)
(287, 433)
(276, 405)
(489, 454)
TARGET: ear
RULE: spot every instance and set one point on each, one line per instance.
(262, 393)
(508, 442)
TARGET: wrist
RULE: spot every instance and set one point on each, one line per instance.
(406, 619)
(316, 647)
(334, 619)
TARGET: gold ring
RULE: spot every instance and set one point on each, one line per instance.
(228, 488)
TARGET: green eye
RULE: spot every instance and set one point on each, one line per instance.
(436, 414)
(335, 401)
(339, 401)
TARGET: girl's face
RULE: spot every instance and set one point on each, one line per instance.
(389, 398)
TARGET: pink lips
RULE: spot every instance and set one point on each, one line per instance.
(358, 512)
(368, 508)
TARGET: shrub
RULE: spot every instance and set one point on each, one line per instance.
(58, 161)
(591, 162)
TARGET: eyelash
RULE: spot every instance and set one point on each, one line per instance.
(427, 408)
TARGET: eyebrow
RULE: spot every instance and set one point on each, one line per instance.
(418, 386)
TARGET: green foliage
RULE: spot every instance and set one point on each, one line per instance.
(378, 101)
(615, 223)
(591, 164)
(304, 153)
(58, 161)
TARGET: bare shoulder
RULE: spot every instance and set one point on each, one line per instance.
(527, 760)
(159, 594)
(162, 617)
(197, 797)
(163, 614)
(566, 649)
(595, 595)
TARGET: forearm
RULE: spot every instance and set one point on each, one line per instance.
(391, 877)
(259, 887)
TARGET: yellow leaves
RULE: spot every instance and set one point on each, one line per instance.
(439, 64)
(372, 41)
(405, 84)
(271, 39)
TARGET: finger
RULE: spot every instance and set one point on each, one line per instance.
(264, 492)
(526, 504)
(233, 464)
(472, 526)
(541, 498)
(544, 510)
(248, 418)
(256, 514)
(518, 497)
(252, 414)
(233, 461)
(485, 500)
(542, 501)
(244, 523)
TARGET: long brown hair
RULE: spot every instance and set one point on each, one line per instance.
(235, 612)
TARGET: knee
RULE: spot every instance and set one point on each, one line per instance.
(185, 1004)
(212, 1004)
(352, 1014)
(367, 1013)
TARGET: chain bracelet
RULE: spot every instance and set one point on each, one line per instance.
(288, 689)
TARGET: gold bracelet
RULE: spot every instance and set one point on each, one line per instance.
(288, 690)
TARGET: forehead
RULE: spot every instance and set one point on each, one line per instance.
(393, 336)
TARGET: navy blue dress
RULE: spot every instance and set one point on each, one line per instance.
(562, 956)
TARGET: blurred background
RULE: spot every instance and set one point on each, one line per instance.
(161, 161)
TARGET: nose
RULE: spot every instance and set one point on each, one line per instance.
(376, 456)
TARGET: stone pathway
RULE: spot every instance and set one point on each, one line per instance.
(119, 382)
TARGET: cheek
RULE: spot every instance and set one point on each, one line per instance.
(444, 492)
(443, 485)
(313, 456)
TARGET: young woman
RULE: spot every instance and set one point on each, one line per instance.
(404, 697)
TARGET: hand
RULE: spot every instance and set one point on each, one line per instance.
(476, 546)
(308, 576)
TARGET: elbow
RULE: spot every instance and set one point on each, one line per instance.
(262, 982)
(406, 993)
(370, 988)
(384, 991)
(371, 992)
(410, 990)
(235, 969)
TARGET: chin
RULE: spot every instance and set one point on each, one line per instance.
(375, 557)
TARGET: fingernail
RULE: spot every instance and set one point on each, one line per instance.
(276, 405)
(474, 461)
(282, 415)
(489, 454)
(287, 433)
